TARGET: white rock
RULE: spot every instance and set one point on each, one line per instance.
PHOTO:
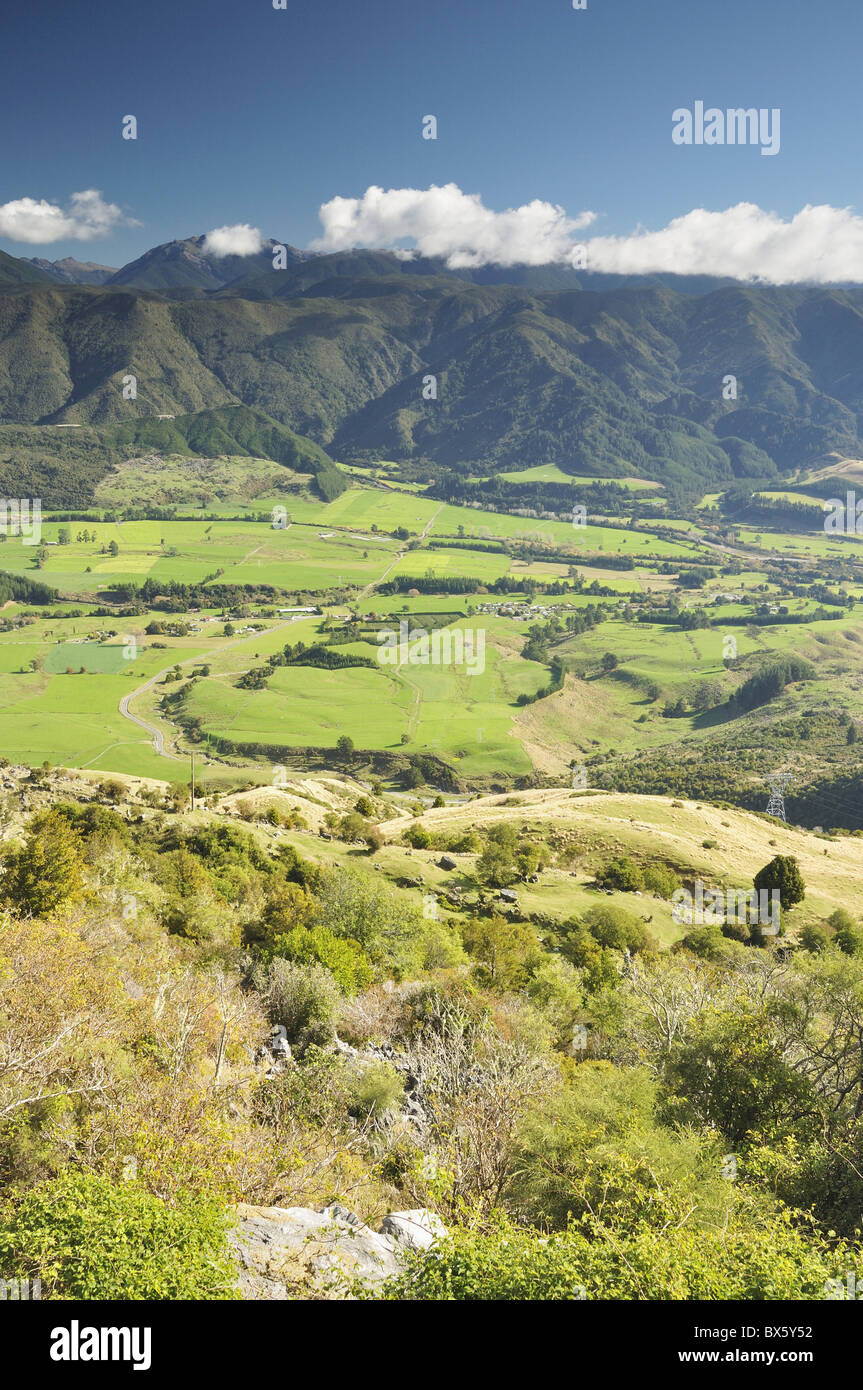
(415, 1229)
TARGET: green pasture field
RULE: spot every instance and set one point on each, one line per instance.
(551, 473)
(300, 557)
(471, 721)
(472, 564)
(410, 708)
(94, 657)
(819, 545)
(807, 497)
(73, 720)
(361, 508)
(486, 525)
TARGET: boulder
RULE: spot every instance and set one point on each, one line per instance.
(293, 1252)
(415, 1230)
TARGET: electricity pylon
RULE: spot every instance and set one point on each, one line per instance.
(777, 782)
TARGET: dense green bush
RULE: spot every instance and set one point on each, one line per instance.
(622, 874)
(87, 1238)
(615, 927)
(343, 957)
(374, 1089)
(772, 1261)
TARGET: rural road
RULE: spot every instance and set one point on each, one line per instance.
(399, 555)
(156, 734)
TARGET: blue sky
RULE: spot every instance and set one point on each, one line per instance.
(252, 115)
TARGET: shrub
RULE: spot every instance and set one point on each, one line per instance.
(708, 943)
(616, 928)
(846, 933)
(374, 1089)
(660, 880)
(303, 999)
(814, 939)
(774, 1261)
(46, 871)
(622, 874)
(496, 865)
(467, 843)
(344, 958)
(86, 1238)
(417, 836)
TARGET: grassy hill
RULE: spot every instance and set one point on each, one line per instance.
(65, 466)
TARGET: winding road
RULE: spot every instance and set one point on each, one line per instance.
(157, 735)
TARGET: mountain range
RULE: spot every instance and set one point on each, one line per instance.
(371, 356)
(186, 266)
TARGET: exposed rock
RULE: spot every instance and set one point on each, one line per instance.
(292, 1252)
(416, 1230)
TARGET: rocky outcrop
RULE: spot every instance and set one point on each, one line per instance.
(416, 1230)
(294, 1252)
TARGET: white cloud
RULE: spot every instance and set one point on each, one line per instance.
(444, 221)
(86, 218)
(239, 240)
(818, 244)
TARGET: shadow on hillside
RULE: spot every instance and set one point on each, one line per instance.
(721, 714)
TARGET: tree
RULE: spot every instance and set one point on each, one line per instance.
(46, 871)
(344, 746)
(609, 661)
(622, 874)
(113, 548)
(782, 875)
(502, 950)
(616, 928)
(496, 865)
